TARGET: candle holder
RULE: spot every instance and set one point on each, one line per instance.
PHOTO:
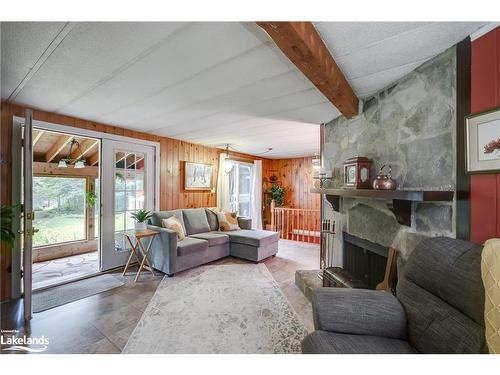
(322, 178)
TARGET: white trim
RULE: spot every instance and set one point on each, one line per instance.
(50, 126)
(100, 135)
(484, 30)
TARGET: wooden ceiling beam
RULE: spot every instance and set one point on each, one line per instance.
(302, 44)
(85, 147)
(36, 137)
(93, 159)
(57, 147)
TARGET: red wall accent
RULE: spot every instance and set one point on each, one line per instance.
(485, 95)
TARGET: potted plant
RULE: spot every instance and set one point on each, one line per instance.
(6, 217)
(140, 217)
(277, 194)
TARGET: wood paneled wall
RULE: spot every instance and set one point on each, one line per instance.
(173, 153)
(485, 95)
(296, 175)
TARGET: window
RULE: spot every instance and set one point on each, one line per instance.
(59, 205)
(240, 188)
(129, 192)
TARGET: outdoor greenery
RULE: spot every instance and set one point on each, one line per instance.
(59, 205)
(90, 197)
(278, 194)
(59, 229)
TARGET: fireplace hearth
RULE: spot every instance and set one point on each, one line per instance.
(363, 267)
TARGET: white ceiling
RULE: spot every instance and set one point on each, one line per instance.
(209, 83)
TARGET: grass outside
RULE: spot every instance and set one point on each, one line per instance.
(61, 228)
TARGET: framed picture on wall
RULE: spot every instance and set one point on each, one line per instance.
(197, 176)
(483, 142)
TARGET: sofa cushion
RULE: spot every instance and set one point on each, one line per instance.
(195, 221)
(174, 224)
(190, 245)
(255, 238)
(322, 342)
(212, 219)
(450, 269)
(228, 221)
(442, 292)
(213, 238)
(158, 216)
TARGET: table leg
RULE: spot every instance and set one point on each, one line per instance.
(146, 254)
(132, 253)
(145, 258)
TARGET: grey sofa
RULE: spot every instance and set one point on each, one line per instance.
(204, 243)
(438, 307)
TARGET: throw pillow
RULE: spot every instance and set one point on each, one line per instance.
(174, 224)
(228, 221)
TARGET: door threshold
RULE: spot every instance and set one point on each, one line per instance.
(94, 274)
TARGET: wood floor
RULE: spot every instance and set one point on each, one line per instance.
(102, 323)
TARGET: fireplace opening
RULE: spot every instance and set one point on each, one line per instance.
(364, 264)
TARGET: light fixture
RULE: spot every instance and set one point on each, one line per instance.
(316, 163)
(79, 163)
(228, 165)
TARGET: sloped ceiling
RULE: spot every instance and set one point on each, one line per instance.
(209, 83)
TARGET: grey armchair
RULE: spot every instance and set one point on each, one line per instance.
(438, 309)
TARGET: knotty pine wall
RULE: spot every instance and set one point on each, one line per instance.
(296, 175)
(173, 153)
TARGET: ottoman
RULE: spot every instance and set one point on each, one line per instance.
(253, 245)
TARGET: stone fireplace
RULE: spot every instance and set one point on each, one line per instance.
(364, 260)
(411, 126)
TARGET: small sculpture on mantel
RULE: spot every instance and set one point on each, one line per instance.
(384, 181)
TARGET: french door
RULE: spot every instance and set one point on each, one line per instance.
(27, 214)
(128, 185)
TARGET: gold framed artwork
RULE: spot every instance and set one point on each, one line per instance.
(483, 142)
(197, 176)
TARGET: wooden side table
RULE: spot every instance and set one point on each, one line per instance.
(134, 239)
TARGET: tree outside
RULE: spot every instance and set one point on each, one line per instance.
(59, 205)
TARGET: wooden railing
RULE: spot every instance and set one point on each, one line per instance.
(297, 224)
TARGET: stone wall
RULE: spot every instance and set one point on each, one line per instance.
(411, 126)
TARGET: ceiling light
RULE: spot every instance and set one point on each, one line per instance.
(228, 164)
(316, 163)
(79, 164)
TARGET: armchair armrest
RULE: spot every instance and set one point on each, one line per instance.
(358, 311)
(164, 250)
(245, 222)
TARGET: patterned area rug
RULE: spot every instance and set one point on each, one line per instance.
(64, 269)
(234, 308)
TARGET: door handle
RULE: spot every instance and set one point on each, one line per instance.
(30, 232)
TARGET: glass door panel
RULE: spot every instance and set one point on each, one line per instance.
(131, 187)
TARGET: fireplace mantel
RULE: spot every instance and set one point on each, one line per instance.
(401, 199)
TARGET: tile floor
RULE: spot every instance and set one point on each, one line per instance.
(103, 323)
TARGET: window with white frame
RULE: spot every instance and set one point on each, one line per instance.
(240, 188)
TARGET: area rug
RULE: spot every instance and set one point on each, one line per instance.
(233, 308)
(61, 295)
